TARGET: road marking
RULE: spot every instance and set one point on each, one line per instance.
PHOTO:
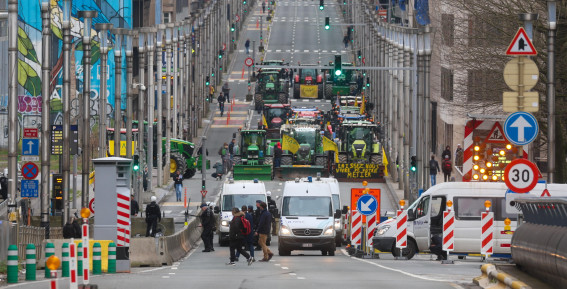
(167, 212)
(285, 268)
(301, 278)
(165, 277)
(292, 274)
(172, 273)
(151, 270)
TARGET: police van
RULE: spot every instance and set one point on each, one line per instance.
(236, 194)
(307, 217)
(425, 217)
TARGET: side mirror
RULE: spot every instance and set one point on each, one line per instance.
(337, 214)
(411, 215)
(216, 210)
(345, 210)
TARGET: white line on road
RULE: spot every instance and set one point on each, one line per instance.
(292, 274)
(171, 273)
(167, 212)
(165, 277)
(301, 278)
(151, 270)
(285, 268)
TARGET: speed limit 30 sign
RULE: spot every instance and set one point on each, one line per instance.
(521, 175)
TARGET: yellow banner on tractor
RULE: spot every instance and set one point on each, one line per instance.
(308, 91)
(289, 143)
(264, 122)
(363, 104)
(122, 148)
(329, 145)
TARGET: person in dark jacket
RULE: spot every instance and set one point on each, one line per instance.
(145, 180)
(436, 247)
(153, 216)
(178, 180)
(433, 170)
(231, 148)
(256, 216)
(249, 239)
(447, 168)
(446, 153)
(77, 228)
(208, 223)
(69, 229)
(263, 231)
(272, 207)
(134, 207)
(277, 155)
(236, 239)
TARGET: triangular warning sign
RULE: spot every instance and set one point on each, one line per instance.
(545, 193)
(521, 45)
(496, 134)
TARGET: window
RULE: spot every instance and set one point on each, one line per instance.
(484, 31)
(237, 201)
(167, 17)
(422, 208)
(485, 85)
(448, 29)
(470, 208)
(447, 83)
(307, 206)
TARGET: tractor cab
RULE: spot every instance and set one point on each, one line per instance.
(276, 114)
(252, 146)
(359, 139)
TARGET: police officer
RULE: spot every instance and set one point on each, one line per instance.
(208, 223)
(153, 216)
(272, 207)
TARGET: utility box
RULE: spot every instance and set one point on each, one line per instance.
(113, 177)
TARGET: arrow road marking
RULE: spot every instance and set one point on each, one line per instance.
(521, 124)
(366, 206)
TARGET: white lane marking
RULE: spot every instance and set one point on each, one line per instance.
(173, 268)
(397, 270)
(276, 264)
(151, 270)
(301, 278)
(165, 277)
(292, 274)
(171, 273)
(167, 212)
(285, 268)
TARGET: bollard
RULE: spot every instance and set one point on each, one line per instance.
(65, 259)
(49, 251)
(30, 262)
(52, 264)
(97, 263)
(13, 264)
(73, 265)
(80, 259)
(111, 258)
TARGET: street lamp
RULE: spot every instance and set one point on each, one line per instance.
(159, 46)
(175, 32)
(188, 76)
(129, 38)
(141, 96)
(118, 35)
(45, 125)
(168, 60)
(66, 26)
(150, 37)
(551, 34)
(182, 100)
(85, 142)
(103, 29)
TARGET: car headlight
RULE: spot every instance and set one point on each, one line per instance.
(224, 223)
(285, 231)
(337, 224)
(382, 230)
(329, 231)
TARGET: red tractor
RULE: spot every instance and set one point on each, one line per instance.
(276, 114)
(308, 83)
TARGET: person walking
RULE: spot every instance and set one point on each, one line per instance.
(221, 101)
(345, 41)
(134, 207)
(226, 91)
(236, 238)
(446, 153)
(208, 224)
(256, 214)
(272, 207)
(225, 155)
(447, 169)
(459, 153)
(433, 170)
(145, 180)
(263, 7)
(153, 216)
(263, 231)
(231, 148)
(248, 239)
(247, 46)
(278, 155)
(178, 180)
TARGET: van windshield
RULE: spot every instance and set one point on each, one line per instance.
(307, 206)
(336, 202)
(231, 201)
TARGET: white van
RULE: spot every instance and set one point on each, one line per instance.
(425, 217)
(307, 218)
(237, 194)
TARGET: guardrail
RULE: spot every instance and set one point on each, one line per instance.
(34, 235)
(492, 278)
(539, 246)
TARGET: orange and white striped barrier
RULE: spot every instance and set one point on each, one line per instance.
(448, 230)
(345, 226)
(401, 228)
(370, 228)
(356, 228)
(73, 265)
(243, 68)
(123, 219)
(487, 231)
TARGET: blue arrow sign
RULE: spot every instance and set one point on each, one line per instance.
(29, 188)
(521, 128)
(367, 205)
(30, 146)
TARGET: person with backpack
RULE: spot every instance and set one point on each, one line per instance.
(263, 231)
(433, 170)
(239, 227)
(249, 239)
(446, 153)
(447, 169)
(153, 216)
(208, 224)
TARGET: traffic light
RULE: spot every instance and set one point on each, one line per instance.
(57, 180)
(321, 4)
(203, 187)
(413, 163)
(244, 2)
(207, 81)
(136, 163)
(368, 81)
(327, 25)
(232, 28)
(359, 53)
(338, 70)
(220, 53)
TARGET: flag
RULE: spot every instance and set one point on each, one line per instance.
(385, 162)
(264, 122)
(363, 104)
(422, 12)
(329, 145)
(289, 143)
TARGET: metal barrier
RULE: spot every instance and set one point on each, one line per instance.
(33, 235)
(539, 246)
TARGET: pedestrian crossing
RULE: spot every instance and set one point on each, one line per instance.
(299, 51)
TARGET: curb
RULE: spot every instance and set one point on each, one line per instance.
(492, 278)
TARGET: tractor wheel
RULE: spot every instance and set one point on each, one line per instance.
(376, 159)
(320, 91)
(328, 90)
(296, 91)
(282, 98)
(287, 161)
(268, 160)
(177, 162)
(237, 160)
(189, 173)
(321, 161)
(343, 158)
(258, 102)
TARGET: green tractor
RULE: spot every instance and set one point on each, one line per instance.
(270, 88)
(253, 158)
(344, 84)
(310, 151)
(357, 142)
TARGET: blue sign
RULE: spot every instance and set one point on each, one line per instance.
(29, 189)
(367, 205)
(521, 128)
(30, 147)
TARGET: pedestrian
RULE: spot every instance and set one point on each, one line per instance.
(208, 224)
(219, 171)
(226, 91)
(459, 156)
(277, 155)
(69, 229)
(263, 231)
(433, 170)
(249, 239)
(272, 207)
(153, 216)
(77, 227)
(445, 153)
(256, 215)
(134, 207)
(221, 101)
(145, 180)
(231, 148)
(225, 155)
(211, 93)
(447, 169)
(247, 46)
(345, 41)
(236, 238)
(263, 7)
(178, 180)
(436, 247)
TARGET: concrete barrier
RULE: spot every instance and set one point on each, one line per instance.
(149, 252)
(492, 278)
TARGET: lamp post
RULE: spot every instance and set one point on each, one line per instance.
(150, 36)
(66, 25)
(188, 76)
(85, 142)
(168, 57)
(103, 29)
(551, 34)
(128, 38)
(118, 34)
(45, 125)
(426, 94)
(141, 96)
(181, 90)
(175, 33)
(159, 45)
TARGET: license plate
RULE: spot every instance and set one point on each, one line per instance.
(308, 245)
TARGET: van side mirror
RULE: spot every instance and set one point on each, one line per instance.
(345, 210)
(216, 209)
(411, 215)
(337, 214)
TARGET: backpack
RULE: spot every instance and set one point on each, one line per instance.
(246, 228)
(447, 166)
